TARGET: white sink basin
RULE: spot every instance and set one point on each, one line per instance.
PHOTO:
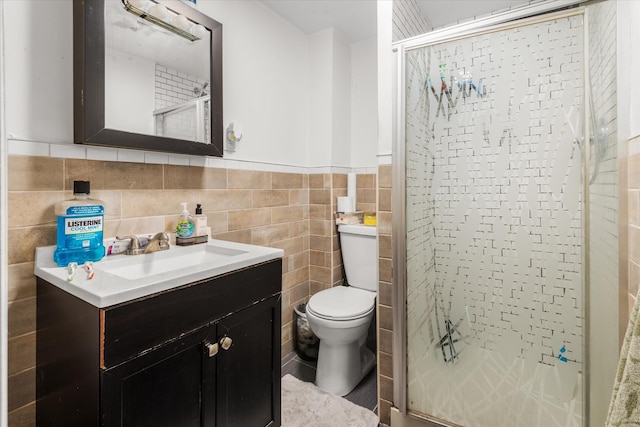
(144, 266)
(121, 278)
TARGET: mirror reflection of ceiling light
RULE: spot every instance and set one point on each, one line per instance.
(165, 18)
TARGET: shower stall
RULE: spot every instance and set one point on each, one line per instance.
(495, 160)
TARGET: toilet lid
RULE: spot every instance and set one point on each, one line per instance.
(342, 302)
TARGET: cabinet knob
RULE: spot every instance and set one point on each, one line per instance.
(225, 343)
(213, 348)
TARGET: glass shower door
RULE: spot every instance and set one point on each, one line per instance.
(494, 227)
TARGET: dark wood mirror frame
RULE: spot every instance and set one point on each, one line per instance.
(89, 84)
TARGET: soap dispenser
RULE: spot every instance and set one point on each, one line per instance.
(200, 221)
(185, 226)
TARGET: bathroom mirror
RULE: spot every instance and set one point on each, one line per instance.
(147, 76)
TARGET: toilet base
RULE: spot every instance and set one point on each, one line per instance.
(341, 367)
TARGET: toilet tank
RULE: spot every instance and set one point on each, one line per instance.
(360, 255)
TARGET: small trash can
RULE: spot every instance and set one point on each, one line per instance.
(306, 343)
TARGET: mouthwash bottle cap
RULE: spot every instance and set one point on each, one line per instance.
(198, 209)
(81, 187)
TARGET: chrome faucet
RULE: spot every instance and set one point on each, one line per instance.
(159, 242)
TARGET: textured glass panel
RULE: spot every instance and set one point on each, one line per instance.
(494, 223)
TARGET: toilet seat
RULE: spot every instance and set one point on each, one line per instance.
(342, 303)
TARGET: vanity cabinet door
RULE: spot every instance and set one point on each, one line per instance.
(171, 386)
(248, 373)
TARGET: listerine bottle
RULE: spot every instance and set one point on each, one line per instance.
(80, 227)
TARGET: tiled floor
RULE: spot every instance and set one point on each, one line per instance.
(365, 393)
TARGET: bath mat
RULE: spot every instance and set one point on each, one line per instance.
(305, 405)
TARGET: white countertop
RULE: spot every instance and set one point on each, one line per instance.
(122, 278)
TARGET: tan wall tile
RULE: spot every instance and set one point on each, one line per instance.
(291, 246)
(287, 347)
(299, 260)
(286, 298)
(385, 341)
(386, 388)
(183, 177)
(270, 198)
(249, 218)
(287, 214)
(218, 221)
(22, 353)
(287, 180)
(143, 225)
(384, 223)
(33, 207)
(31, 173)
(384, 199)
(299, 292)
(366, 207)
(153, 203)
(319, 181)
(225, 200)
(21, 281)
(112, 200)
(366, 180)
(366, 195)
(385, 296)
(315, 287)
(114, 175)
(319, 212)
(385, 364)
(299, 228)
(335, 257)
(22, 242)
(340, 181)
(23, 388)
(240, 236)
(248, 179)
(384, 412)
(385, 317)
(318, 258)
(22, 317)
(320, 197)
(337, 275)
(320, 274)
(385, 248)
(299, 197)
(385, 176)
(295, 277)
(270, 234)
(320, 227)
(320, 243)
(385, 270)
(25, 416)
(338, 192)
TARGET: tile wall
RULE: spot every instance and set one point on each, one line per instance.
(291, 211)
(385, 289)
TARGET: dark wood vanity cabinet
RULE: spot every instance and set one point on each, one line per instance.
(204, 354)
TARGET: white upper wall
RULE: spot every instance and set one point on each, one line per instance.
(341, 106)
(364, 104)
(39, 70)
(274, 84)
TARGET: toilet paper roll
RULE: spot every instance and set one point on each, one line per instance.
(345, 204)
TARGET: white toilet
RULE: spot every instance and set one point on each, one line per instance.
(340, 316)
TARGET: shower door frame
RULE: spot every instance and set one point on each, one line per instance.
(527, 15)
